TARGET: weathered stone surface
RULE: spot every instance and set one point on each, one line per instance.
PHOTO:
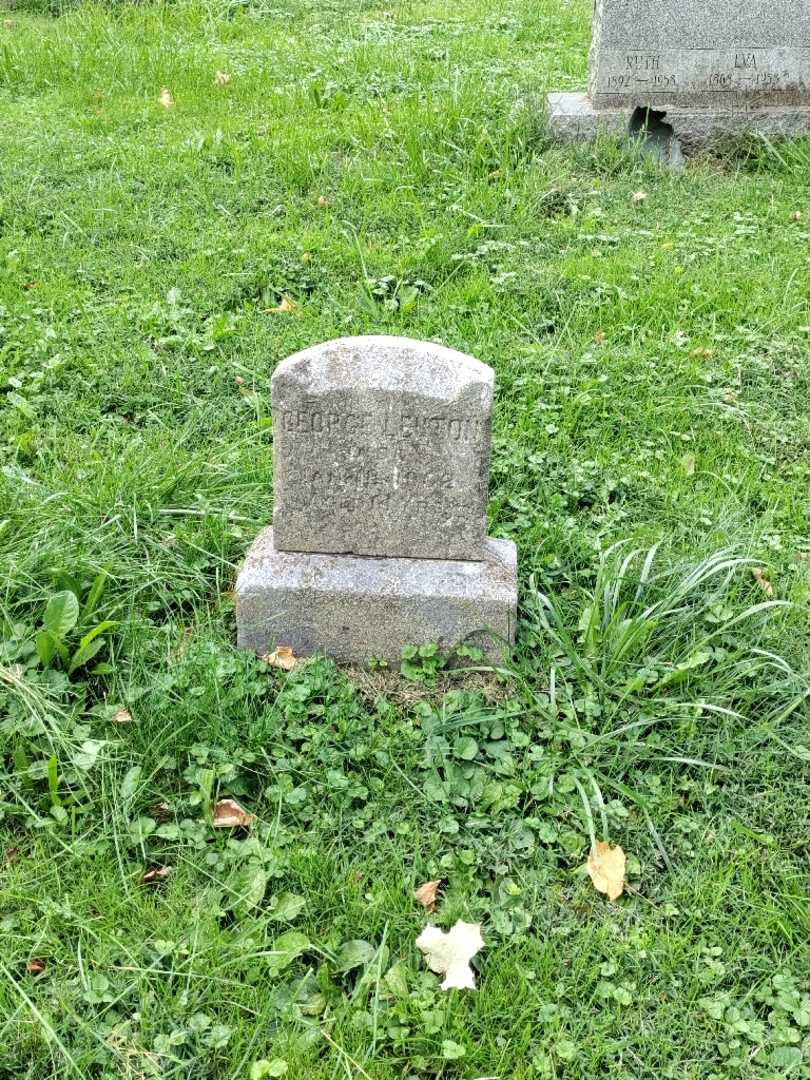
(354, 609)
(716, 54)
(714, 67)
(572, 118)
(381, 446)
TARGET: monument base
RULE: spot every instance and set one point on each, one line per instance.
(357, 608)
(572, 118)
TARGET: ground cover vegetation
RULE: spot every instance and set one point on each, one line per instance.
(188, 194)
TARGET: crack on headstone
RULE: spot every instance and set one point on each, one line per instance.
(659, 140)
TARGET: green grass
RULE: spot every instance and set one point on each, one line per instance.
(653, 379)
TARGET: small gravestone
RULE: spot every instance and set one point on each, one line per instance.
(381, 447)
(706, 68)
(381, 453)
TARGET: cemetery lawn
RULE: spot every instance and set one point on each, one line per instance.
(167, 235)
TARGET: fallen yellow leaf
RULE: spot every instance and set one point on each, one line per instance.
(228, 814)
(166, 99)
(286, 307)
(762, 581)
(426, 895)
(606, 868)
(282, 657)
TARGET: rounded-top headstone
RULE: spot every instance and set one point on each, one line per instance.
(381, 446)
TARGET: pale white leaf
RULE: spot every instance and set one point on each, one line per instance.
(449, 954)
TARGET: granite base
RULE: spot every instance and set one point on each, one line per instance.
(356, 608)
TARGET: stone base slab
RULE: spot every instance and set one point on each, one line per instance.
(356, 608)
(572, 118)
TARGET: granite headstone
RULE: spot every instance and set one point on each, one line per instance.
(381, 447)
(712, 67)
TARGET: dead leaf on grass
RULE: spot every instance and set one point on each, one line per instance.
(286, 307)
(426, 895)
(762, 581)
(282, 657)
(36, 967)
(166, 99)
(449, 954)
(228, 814)
(606, 868)
(156, 874)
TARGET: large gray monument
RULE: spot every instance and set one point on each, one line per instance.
(381, 467)
(713, 67)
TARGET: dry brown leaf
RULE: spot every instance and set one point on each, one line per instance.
(762, 581)
(123, 716)
(426, 895)
(222, 78)
(286, 307)
(228, 814)
(282, 657)
(606, 868)
(157, 873)
(166, 99)
(35, 966)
